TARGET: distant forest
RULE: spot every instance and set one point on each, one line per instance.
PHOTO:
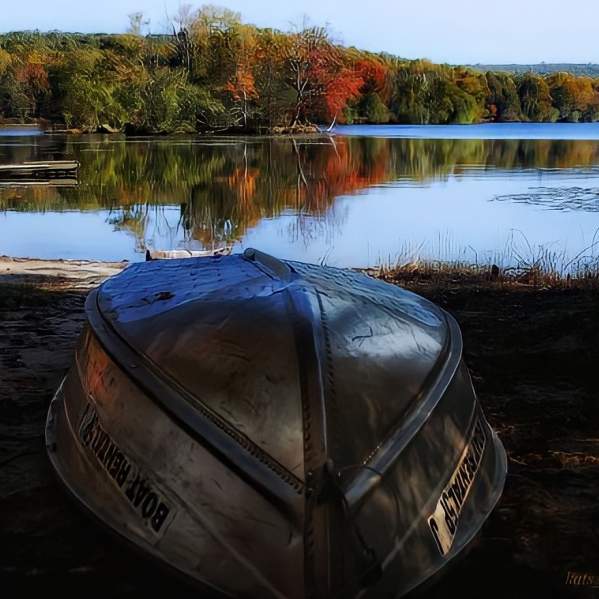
(212, 72)
(544, 68)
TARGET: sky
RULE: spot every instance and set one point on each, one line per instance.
(453, 31)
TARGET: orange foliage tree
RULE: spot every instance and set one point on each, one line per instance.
(32, 84)
(243, 91)
(316, 72)
(340, 88)
(375, 76)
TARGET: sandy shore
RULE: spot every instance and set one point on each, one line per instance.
(533, 354)
(65, 274)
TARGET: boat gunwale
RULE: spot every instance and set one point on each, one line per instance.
(141, 549)
(245, 454)
(304, 502)
(249, 461)
(381, 459)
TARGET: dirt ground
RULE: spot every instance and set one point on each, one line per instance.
(534, 357)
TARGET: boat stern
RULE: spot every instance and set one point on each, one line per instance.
(150, 481)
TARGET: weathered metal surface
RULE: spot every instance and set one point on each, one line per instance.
(287, 430)
(177, 254)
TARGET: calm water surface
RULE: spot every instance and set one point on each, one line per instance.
(365, 195)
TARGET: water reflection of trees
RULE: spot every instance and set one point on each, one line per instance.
(225, 186)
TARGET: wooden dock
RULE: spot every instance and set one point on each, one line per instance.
(40, 171)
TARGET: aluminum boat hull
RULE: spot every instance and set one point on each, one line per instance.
(203, 494)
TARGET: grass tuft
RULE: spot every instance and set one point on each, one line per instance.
(520, 263)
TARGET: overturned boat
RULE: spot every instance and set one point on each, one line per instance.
(276, 429)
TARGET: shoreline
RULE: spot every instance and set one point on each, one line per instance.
(49, 128)
(429, 274)
(306, 130)
(58, 273)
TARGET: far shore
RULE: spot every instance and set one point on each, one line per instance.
(50, 128)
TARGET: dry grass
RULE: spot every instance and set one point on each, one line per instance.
(537, 267)
(455, 273)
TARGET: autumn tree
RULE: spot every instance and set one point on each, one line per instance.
(574, 97)
(85, 96)
(303, 50)
(473, 84)
(241, 84)
(210, 71)
(503, 101)
(374, 92)
(30, 85)
(316, 72)
(276, 98)
(426, 93)
(413, 92)
(535, 99)
(5, 60)
(202, 38)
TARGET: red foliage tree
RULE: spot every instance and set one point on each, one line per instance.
(374, 74)
(317, 72)
(33, 75)
(339, 90)
(32, 80)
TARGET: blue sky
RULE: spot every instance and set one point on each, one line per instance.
(456, 31)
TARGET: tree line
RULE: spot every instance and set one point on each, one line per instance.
(590, 69)
(212, 72)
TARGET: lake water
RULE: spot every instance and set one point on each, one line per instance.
(365, 195)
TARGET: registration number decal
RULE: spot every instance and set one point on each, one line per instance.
(444, 520)
(141, 493)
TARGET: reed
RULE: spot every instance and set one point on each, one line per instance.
(518, 264)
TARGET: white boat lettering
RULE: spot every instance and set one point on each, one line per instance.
(444, 520)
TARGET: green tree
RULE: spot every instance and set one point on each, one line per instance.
(503, 101)
(374, 109)
(535, 99)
